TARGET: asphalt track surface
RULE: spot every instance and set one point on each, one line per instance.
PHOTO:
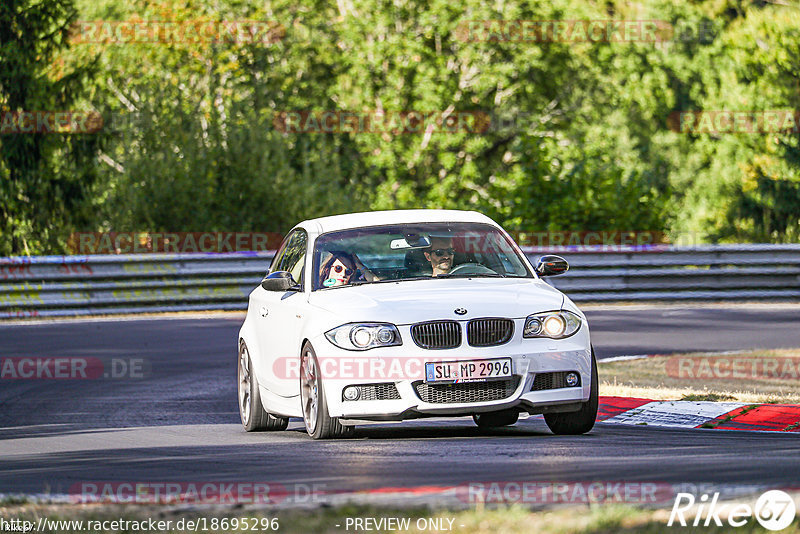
(181, 422)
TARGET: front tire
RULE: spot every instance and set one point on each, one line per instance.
(251, 410)
(582, 421)
(312, 396)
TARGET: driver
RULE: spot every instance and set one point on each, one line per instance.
(440, 254)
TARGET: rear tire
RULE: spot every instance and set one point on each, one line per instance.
(251, 411)
(312, 396)
(583, 420)
(496, 419)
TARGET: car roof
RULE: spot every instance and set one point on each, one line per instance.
(380, 218)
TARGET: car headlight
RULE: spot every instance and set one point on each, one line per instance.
(364, 336)
(555, 324)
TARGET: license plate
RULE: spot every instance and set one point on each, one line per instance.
(468, 370)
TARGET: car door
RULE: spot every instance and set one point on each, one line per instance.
(279, 319)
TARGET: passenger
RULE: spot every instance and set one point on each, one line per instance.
(440, 254)
(342, 268)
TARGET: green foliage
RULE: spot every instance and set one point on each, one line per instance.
(194, 145)
(752, 181)
(579, 138)
(44, 177)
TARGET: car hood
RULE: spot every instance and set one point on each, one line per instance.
(424, 300)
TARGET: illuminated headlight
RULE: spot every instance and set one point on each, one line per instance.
(361, 337)
(364, 336)
(555, 324)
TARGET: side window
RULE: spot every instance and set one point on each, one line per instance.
(292, 254)
(278, 256)
(276, 261)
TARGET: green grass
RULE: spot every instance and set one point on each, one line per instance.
(713, 397)
(13, 499)
(655, 378)
(586, 519)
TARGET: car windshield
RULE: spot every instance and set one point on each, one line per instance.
(415, 251)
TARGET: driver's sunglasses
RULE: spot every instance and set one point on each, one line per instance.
(347, 272)
(444, 251)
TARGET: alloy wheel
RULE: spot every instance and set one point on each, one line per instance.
(309, 390)
(245, 401)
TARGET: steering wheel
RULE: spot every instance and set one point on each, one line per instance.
(471, 268)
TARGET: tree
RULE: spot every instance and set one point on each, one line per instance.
(747, 183)
(194, 146)
(44, 177)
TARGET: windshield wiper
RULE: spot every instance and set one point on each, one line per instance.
(386, 280)
(472, 275)
(427, 277)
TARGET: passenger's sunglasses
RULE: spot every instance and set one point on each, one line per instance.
(444, 251)
(338, 269)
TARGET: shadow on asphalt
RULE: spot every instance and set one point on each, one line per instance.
(45, 431)
(432, 430)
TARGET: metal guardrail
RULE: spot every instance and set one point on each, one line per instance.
(710, 272)
(135, 283)
(131, 283)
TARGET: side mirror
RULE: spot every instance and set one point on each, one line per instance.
(551, 266)
(279, 281)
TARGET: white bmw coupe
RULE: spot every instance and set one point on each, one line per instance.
(395, 315)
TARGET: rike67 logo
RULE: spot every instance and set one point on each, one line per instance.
(774, 510)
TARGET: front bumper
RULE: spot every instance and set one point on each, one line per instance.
(403, 367)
